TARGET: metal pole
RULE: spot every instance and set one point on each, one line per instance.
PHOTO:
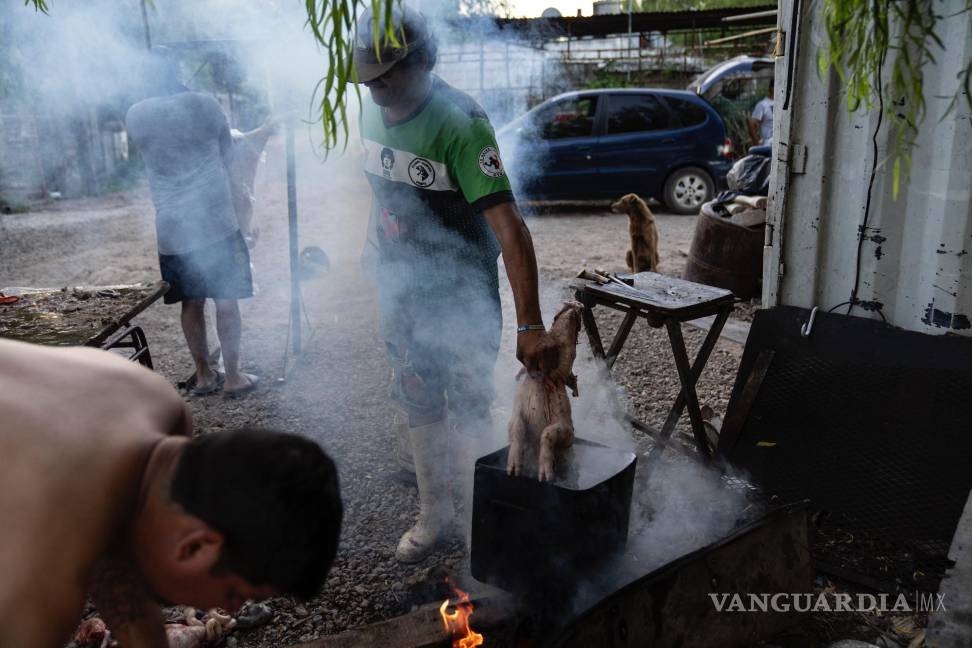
(509, 84)
(292, 221)
(482, 68)
(628, 66)
(145, 22)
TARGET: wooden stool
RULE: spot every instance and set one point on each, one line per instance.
(662, 301)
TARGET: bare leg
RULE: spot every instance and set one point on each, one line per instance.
(194, 327)
(229, 327)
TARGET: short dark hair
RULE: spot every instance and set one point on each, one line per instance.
(275, 498)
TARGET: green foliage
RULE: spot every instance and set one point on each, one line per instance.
(39, 5)
(861, 34)
(333, 24)
(685, 5)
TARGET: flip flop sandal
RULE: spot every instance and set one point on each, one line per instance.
(209, 389)
(243, 391)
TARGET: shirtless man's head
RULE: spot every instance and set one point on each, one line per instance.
(104, 494)
(237, 515)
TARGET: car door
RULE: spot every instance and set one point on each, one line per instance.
(634, 151)
(558, 159)
(698, 138)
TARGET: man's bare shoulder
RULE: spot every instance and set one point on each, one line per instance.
(84, 380)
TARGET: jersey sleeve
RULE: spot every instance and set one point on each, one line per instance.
(477, 167)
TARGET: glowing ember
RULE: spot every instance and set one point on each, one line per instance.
(457, 623)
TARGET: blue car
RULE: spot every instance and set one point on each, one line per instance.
(670, 145)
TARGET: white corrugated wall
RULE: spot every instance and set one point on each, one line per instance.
(916, 255)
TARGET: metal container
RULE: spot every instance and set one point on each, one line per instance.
(607, 7)
(529, 535)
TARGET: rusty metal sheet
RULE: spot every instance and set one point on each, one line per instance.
(672, 606)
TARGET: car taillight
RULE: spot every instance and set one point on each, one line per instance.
(726, 149)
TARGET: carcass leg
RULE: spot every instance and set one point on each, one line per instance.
(518, 432)
(554, 437)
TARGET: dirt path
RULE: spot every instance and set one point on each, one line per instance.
(336, 390)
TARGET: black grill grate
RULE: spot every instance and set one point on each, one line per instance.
(867, 421)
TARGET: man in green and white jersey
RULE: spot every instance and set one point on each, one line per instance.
(442, 212)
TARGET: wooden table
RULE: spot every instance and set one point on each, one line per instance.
(662, 301)
(96, 316)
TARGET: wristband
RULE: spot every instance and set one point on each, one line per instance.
(526, 328)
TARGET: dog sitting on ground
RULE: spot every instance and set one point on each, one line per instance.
(541, 428)
(643, 255)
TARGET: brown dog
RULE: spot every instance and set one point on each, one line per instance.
(541, 428)
(643, 255)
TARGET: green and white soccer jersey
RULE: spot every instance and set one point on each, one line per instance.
(432, 175)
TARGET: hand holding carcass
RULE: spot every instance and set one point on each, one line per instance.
(539, 353)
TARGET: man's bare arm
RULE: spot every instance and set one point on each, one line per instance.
(519, 258)
(126, 605)
(754, 130)
(521, 269)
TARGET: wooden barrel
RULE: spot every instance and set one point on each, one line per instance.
(726, 255)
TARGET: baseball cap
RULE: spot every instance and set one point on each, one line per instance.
(411, 31)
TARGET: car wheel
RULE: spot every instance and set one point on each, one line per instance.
(687, 188)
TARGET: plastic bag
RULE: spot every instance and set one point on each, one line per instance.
(750, 176)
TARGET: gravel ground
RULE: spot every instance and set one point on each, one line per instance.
(335, 391)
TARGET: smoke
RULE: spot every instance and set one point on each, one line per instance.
(257, 58)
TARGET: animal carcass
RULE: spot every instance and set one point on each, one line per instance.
(541, 428)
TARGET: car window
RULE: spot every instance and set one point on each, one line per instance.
(632, 113)
(572, 117)
(686, 112)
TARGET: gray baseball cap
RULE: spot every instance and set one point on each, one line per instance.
(411, 31)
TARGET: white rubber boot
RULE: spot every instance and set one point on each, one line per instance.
(403, 444)
(430, 449)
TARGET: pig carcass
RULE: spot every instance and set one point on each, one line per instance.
(92, 633)
(541, 429)
(246, 152)
(197, 632)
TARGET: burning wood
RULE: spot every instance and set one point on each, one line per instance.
(457, 623)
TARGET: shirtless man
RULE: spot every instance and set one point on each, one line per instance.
(103, 493)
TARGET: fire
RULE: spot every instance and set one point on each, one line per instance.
(457, 623)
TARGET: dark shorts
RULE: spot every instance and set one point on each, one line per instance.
(220, 270)
(443, 350)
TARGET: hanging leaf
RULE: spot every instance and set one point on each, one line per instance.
(861, 34)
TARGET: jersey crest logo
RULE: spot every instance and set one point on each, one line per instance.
(490, 163)
(387, 161)
(421, 172)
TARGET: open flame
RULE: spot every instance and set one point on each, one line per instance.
(457, 623)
